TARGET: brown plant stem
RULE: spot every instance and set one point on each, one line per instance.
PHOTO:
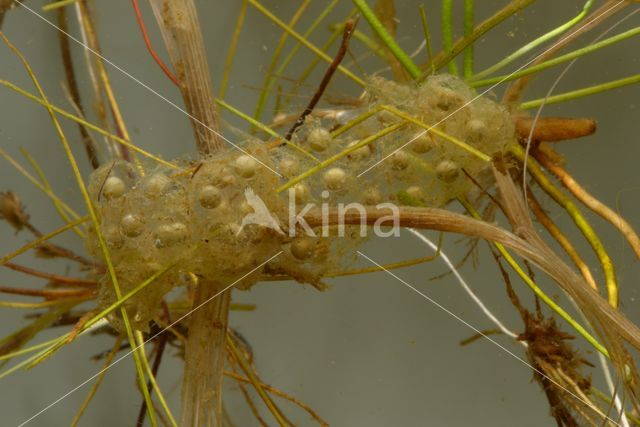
(205, 356)
(248, 370)
(349, 27)
(529, 246)
(180, 27)
(282, 394)
(55, 278)
(591, 202)
(92, 38)
(560, 237)
(45, 293)
(72, 83)
(205, 348)
(251, 404)
(51, 250)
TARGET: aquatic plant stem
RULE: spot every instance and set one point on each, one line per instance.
(560, 237)
(542, 256)
(316, 22)
(387, 39)
(180, 28)
(591, 202)
(45, 182)
(447, 34)
(57, 5)
(537, 290)
(537, 42)
(580, 93)
(88, 25)
(226, 71)
(79, 120)
(467, 61)
(579, 220)
(346, 36)
(427, 37)
(607, 9)
(204, 357)
(318, 52)
(94, 219)
(443, 58)
(94, 388)
(248, 371)
(269, 78)
(205, 347)
(72, 86)
(555, 61)
(147, 42)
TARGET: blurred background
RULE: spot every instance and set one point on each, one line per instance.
(369, 351)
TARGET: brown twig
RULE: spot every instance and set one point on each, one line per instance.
(51, 250)
(48, 294)
(89, 28)
(74, 92)
(562, 240)
(255, 381)
(247, 396)
(281, 394)
(53, 277)
(591, 202)
(349, 27)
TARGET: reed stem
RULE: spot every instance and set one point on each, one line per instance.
(204, 357)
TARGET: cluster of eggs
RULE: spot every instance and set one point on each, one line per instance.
(189, 217)
(409, 165)
(194, 216)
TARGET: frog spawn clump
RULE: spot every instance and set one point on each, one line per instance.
(189, 218)
(429, 170)
(192, 218)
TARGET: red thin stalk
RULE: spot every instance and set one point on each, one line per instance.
(147, 41)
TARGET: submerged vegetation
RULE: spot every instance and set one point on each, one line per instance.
(287, 192)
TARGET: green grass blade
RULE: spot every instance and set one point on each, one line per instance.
(447, 34)
(581, 93)
(467, 59)
(387, 39)
(537, 42)
(558, 60)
